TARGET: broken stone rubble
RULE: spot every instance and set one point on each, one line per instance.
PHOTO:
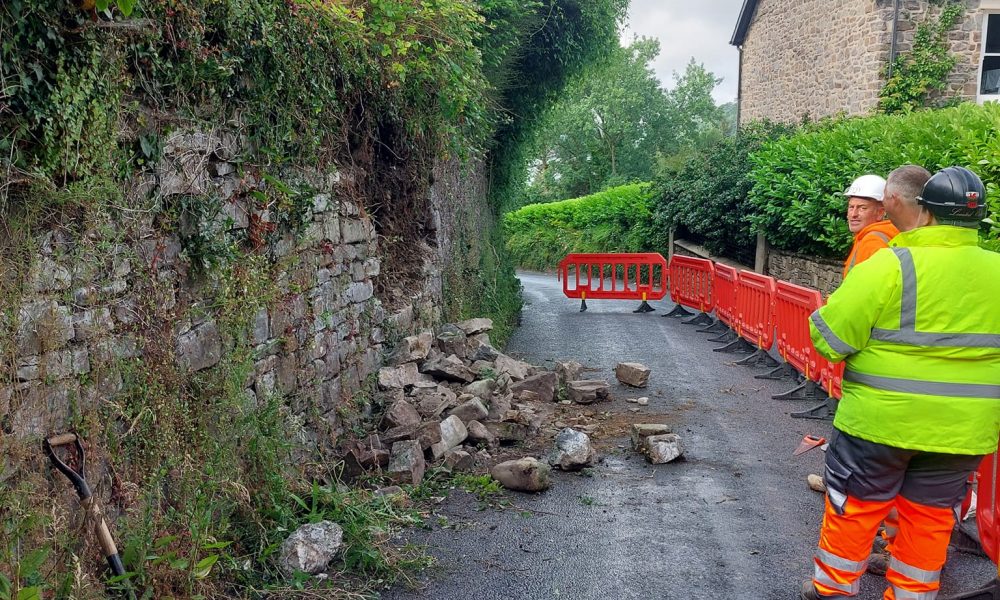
(632, 374)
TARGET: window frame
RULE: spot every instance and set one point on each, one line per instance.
(983, 54)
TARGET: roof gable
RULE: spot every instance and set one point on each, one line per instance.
(743, 25)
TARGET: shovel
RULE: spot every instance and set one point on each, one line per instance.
(808, 443)
(87, 501)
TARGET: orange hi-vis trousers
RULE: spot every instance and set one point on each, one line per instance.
(915, 568)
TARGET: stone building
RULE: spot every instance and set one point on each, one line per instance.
(817, 58)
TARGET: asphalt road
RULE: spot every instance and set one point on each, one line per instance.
(735, 519)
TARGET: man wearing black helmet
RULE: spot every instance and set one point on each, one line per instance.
(921, 402)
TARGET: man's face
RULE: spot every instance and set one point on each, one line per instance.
(862, 212)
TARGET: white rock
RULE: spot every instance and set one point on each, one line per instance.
(573, 451)
(311, 547)
(661, 449)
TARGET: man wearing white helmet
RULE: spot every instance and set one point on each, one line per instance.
(866, 219)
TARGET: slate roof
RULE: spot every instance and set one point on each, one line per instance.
(743, 25)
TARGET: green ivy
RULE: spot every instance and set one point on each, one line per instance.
(925, 68)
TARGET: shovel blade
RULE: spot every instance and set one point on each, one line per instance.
(808, 443)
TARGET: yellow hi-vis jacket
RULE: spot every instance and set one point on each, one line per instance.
(919, 326)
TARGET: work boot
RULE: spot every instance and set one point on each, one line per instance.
(809, 592)
(878, 563)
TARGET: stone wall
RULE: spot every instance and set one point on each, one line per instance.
(123, 287)
(826, 57)
(817, 273)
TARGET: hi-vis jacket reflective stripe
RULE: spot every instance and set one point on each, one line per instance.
(919, 325)
(868, 241)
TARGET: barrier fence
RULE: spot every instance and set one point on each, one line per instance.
(691, 286)
(617, 276)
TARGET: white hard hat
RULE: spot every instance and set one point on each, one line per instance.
(867, 186)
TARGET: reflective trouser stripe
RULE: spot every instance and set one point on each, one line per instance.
(914, 573)
(901, 594)
(822, 578)
(842, 564)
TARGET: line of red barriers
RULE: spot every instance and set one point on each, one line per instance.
(614, 277)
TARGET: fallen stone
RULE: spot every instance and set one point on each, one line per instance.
(479, 349)
(412, 348)
(661, 449)
(508, 431)
(474, 326)
(389, 490)
(544, 384)
(523, 475)
(407, 462)
(573, 451)
(432, 402)
(631, 400)
(632, 374)
(642, 401)
(453, 433)
(482, 388)
(427, 434)
(400, 414)
(515, 369)
(816, 483)
(568, 371)
(499, 407)
(398, 377)
(587, 391)
(451, 340)
(472, 410)
(458, 460)
(641, 431)
(310, 548)
(361, 459)
(479, 433)
(481, 368)
(527, 396)
(449, 368)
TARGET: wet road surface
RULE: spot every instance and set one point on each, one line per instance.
(734, 520)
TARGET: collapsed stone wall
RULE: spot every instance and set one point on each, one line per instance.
(120, 288)
(820, 58)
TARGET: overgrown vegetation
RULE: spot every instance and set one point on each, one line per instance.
(916, 75)
(797, 180)
(616, 220)
(705, 196)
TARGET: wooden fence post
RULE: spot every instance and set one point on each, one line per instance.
(760, 261)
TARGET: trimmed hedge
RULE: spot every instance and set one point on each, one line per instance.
(798, 180)
(615, 220)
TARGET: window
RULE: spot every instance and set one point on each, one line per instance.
(989, 83)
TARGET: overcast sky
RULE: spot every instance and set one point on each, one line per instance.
(700, 29)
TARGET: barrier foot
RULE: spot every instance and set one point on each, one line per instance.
(725, 338)
(679, 311)
(583, 306)
(807, 390)
(990, 592)
(716, 327)
(738, 346)
(782, 371)
(821, 412)
(701, 319)
(966, 543)
(760, 358)
(644, 308)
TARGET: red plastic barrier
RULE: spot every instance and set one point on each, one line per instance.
(755, 309)
(724, 294)
(691, 282)
(614, 276)
(792, 306)
(832, 377)
(988, 506)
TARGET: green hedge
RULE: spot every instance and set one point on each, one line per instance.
(796, 197)
(615, 220)
(705, 196)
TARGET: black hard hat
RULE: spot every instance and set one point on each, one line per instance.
(955, 196)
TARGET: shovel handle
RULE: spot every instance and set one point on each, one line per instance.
(62, 439)
(77, 478)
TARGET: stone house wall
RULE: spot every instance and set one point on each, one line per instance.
(817, 273)
(85, 309)
(820, 58)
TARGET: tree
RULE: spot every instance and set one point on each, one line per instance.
(614, 119)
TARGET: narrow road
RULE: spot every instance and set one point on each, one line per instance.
(735, 520)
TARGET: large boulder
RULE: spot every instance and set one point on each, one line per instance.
(310, 548)
(453, 433)
(661, 449)
(572, 451)
(407, 463)
(515, 369)
(471, 410)
(632, 374)
(448, 368)
(523, 475)
(400, 414)
(412, 348)
(474, 326)
(588, 391)
(544, 384)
